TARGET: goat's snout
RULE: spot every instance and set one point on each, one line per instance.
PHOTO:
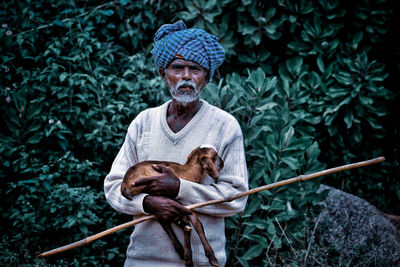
(213, 165)
(211, 161)
(126, 193)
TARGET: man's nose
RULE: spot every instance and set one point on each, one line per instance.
(186, 74)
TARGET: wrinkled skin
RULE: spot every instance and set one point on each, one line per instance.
(165, 209)
(163, 189)
(165, 184)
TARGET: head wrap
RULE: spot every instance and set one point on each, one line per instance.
(192, 44)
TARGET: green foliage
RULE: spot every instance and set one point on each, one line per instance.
(273, 220)
(307, 80)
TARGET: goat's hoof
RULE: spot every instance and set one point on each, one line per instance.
(187, 228)
(211, 259)
(214, 263)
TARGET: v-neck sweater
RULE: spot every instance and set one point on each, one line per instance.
(176, 137)
(150, 138)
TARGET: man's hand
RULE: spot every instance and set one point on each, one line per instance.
(165, 209)
(166, 184)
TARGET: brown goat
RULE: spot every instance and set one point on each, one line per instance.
(200, 161)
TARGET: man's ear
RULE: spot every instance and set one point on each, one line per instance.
(204, 85)
(162, 73)
(206, 80)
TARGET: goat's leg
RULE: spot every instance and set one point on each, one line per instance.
(184, 224)
(175, 242)
(198, 226)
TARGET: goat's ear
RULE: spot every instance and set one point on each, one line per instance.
(220, 163)
(209, 166)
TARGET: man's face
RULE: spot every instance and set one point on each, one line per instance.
(185, 80)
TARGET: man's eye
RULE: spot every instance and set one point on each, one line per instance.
(196, 70)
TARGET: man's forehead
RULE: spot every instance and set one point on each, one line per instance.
(180, 61)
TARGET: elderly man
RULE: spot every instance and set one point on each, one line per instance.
(187, 60)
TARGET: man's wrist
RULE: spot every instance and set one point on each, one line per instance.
(178, 187)
(145, 204)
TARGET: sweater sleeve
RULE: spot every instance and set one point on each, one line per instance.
(232, 180)
(126, 157)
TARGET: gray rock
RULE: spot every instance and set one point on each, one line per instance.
(356, 232)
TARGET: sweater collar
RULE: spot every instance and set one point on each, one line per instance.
(176, 137)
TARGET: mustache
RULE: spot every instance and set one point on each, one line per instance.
(185, 83)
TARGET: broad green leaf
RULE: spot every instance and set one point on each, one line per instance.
(253, 252)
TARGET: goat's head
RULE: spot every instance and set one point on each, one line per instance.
(210, 160)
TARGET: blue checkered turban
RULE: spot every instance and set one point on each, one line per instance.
(193, 44)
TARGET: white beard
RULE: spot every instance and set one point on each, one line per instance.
(184, 96)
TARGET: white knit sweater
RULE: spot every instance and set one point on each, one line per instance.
(150, 138)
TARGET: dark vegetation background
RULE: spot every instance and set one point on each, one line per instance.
(313, 84)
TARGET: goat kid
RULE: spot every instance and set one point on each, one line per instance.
(200, 161)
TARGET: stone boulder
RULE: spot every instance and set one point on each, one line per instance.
(356, 232)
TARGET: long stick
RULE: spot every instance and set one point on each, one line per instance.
(216, 201)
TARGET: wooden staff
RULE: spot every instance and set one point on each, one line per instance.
(299, 178)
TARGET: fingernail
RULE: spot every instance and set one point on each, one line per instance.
(133, 184)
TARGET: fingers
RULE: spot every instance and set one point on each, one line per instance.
(164, 208)
(143, 181)
(160, 168)
(157, 168)
(175, 214)
(148, 180)
(182, 209)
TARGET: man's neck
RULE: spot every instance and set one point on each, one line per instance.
(184, 110)
(179, 114)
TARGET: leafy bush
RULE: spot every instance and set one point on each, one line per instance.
(273, 220)
(311, 83)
